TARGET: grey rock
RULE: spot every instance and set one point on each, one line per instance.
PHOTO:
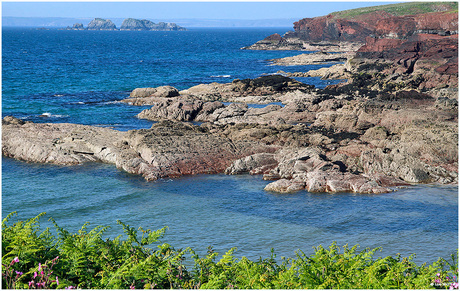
(252, 163)
(137, 24)
(101, 24)
(168, 149)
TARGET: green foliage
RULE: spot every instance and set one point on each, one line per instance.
(399, 9)
(86, 260)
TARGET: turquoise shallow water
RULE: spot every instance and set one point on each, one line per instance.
(79, 76)
(228, 211)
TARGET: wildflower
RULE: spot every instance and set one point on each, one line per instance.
(35, 275)
(438, 274)
(132, 287)
(57, 281)
(16, 260)
(31, 283)
(39, 266)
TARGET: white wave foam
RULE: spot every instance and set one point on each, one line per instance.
(49, 115)
(221, 76)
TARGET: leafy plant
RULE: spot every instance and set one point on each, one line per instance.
(86, 260)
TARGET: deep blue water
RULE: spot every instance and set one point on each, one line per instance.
(79, 77)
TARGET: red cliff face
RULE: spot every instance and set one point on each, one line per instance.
(379, 24)
(419, 43)
(391, 32)
(424, 44)
(326, 28)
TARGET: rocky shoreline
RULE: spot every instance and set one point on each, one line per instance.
(393, 122)
(324, 142)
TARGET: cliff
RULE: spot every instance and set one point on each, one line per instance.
(409, 45)
(395, 21)
(136, 24)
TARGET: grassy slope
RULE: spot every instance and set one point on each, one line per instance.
(409, 8)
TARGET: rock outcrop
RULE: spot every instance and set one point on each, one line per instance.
(137, 24)
(263, 90)
(76, 26)
(149, 96)
(101, 24)
(168, 149)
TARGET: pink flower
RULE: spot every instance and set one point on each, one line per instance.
(31, 283)
(57, 281)
(39, 266)
(132, 287)
(35, 275)
(16, 260)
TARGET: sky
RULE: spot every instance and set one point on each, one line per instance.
(176, 10)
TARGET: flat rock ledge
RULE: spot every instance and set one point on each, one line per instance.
(312, 59)
(168, 149)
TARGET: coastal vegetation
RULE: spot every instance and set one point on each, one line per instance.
(399, 9)
(37, 259)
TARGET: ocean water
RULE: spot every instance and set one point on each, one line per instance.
(80, 76)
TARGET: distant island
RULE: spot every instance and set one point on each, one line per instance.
(128, 24)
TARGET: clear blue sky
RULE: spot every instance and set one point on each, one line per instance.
(176, 10)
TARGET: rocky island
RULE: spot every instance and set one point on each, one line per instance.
(128, 24)
(393, 122)
(136, 24)
(101, 24)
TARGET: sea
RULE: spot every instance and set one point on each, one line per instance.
(62, 76)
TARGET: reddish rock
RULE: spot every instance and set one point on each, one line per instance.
(327, 28)
(379, 45)
(274, 37)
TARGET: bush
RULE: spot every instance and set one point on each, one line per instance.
(86, 260)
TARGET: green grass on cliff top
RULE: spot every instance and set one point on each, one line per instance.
(400, 9)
